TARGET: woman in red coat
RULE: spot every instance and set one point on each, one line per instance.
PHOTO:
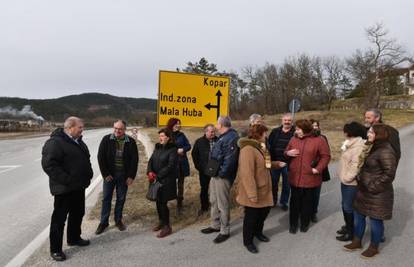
(309, 155)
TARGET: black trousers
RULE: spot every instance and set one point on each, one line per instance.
(163, 212)
(204, 184)
(72, 203)
(253, 223)
(301, 205)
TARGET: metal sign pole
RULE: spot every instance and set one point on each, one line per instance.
(293, 110)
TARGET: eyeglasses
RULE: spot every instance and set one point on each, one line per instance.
(119, 129)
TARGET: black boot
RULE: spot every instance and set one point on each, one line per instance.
(349, 220)
(342, 231)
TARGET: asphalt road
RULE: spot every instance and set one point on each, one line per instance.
(25, 200)
(317, 247)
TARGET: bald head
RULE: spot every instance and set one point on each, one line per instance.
(73, 126)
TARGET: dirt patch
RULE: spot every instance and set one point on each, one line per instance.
(141, 212)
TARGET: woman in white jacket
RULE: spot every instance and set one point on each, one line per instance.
(349, 165)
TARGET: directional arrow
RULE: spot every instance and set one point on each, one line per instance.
(209, 106)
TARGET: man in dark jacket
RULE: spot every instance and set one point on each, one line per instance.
(373, 116)
(118, 162)
(225, 153)
(200, 154)
(278, 141)
(66, 160)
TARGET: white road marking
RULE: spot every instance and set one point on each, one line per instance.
(6, 168)
(21, 258)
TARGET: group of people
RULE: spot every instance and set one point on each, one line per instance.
(252, 162)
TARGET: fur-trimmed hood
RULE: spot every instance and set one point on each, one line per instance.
(243, 142)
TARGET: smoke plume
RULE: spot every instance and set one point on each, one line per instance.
(25, 112)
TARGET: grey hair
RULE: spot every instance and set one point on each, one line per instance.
(377, 113)
(254, 117)
(225, 121)
(287, 115)
(207, 126)
(121, 121)
(71, 122)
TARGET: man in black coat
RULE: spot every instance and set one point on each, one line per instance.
(66, 160)
(373, 116)
(201, 154)
(278, 141)
(118, 162)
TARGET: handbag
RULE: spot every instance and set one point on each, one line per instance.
(153, 189)
(326, 176)
(212, 168)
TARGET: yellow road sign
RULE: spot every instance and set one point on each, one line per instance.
(195, 99)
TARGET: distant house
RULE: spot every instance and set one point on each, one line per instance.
(406, 77)
(409, 81)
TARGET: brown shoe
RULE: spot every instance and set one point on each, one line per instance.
(370, 252)
(165, 231)
(121, 226)
(354, 245)
(157, 227)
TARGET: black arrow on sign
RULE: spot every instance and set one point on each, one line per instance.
(210, 106)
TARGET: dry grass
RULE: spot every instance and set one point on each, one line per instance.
(19, 135)
(191, 188)
(332, 122)
(138, 210)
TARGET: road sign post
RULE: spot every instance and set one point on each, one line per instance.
(195, 99)
(294, 107)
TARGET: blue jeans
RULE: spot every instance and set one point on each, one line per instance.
(118, 183)
(284, 197)
(377, 228)
(348, 194)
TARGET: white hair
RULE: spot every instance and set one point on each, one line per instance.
(71, 122)
(254, 117)
(224, 121)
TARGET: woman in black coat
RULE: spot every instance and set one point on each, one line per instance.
(162, 167)
(183, 146)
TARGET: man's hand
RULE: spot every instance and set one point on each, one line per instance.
(129, 181)
(278, 164)
(315, 171)
(253, 199)
(293, 153)
(180, 151)
(109, 178)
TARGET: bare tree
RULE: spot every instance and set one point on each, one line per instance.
(367, 67)
(335, 81)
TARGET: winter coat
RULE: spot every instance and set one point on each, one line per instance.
(272, 141)
(313, 150)
(375, 195)
(349, 161)
(163, 163)
(201, 153)
(254, 181)
(106, 156)
(181, 141)
(393, 139)
(226, 152)
(67, 163)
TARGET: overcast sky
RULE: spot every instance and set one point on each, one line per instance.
(52, 48)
